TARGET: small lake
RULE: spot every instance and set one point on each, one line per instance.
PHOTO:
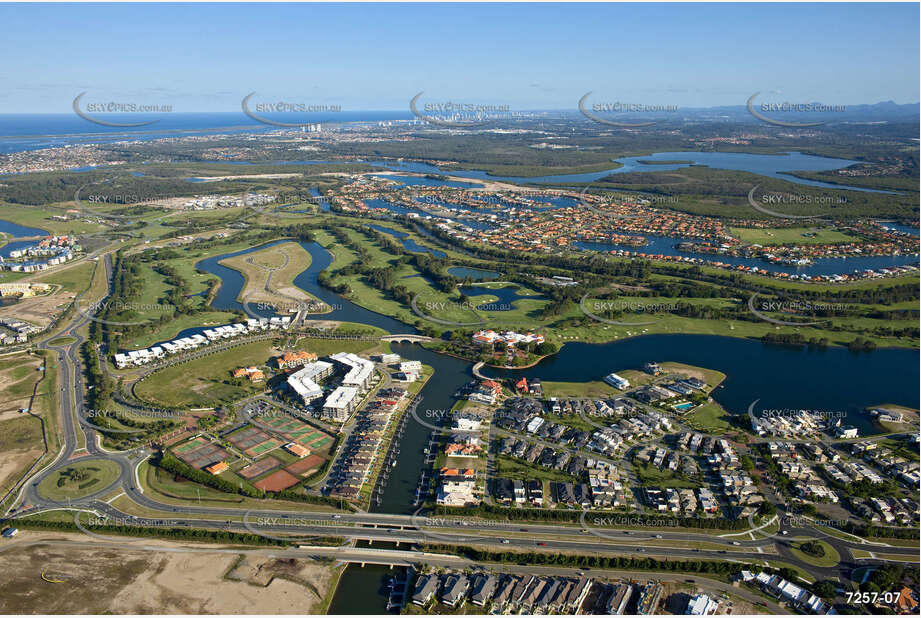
(475, 274)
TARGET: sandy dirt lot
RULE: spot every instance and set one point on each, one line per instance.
(38, 310)
(14, 464)
(133, 581)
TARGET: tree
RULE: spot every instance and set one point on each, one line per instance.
(825, 589)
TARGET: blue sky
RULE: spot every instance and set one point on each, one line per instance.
(206, 57)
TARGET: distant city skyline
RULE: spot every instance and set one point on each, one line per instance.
(207, 57)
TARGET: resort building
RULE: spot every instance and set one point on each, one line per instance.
(340, 403)
(304, 381)
(360, 370)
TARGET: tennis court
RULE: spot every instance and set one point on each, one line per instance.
(199, 453)
(259, 468)
(306, 465)
(263, 447)
(277, 481)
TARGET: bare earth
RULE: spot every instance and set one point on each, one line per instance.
(38, 310)
(134, 581)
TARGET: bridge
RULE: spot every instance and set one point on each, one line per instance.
(407, 338)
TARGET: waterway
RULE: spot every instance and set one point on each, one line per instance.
(408, 243)
(362, 590)
(18, 231)
(772, 166)
(664, 245)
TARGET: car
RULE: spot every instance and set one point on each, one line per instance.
(736, 543)
(524, 529)
(505, 541)
(658, 536)
(541, 544)
(784, 532)
(337, 516)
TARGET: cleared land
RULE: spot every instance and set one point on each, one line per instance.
(798, 235)
(109, 580)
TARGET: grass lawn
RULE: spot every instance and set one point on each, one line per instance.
(651, 476)
(798, 235)
(73, 279)
(709, 417)
(37, 216)
(24, 432)
(830, 559)
(62, 341)
(861, 553)
(206, 381)
(595, 388)
(779, 564)
(79, 479)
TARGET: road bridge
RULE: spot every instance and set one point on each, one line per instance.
(407, 338)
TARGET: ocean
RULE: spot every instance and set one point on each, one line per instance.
(22, 132)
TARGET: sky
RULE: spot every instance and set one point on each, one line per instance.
(207, 57)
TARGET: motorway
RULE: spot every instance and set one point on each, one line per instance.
(80, 440)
